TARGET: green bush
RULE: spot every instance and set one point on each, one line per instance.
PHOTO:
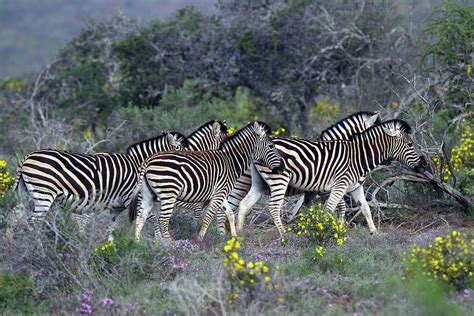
(450, 259)
(126, 257)
(16, 292)
(319, 228)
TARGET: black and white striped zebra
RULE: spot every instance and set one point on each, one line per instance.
(85, 180)
(102, 178)
(206, 176)
(337, 166)
(342, 130)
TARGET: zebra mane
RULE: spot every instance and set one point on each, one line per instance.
(222, 125)
(265, 126)
(346, 119)
(179, 136)
(392, 124)
(398, 124)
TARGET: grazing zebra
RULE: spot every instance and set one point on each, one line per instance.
(337, 166)
(342, 130)
(201, 176)
(84, 180)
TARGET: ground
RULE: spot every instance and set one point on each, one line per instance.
(363, 276)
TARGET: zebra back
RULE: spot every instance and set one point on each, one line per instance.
(208, 136)
(353, 124)
(165, 142)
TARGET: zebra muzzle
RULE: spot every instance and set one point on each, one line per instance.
(420, 168)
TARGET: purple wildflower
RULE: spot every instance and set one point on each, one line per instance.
(85, 308)
(466, 293)
(107, 302)
(86, 297)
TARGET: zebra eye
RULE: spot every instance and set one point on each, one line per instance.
(410, 145)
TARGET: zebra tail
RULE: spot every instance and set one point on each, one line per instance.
(132, 211)
(133, 208)
(19, 183)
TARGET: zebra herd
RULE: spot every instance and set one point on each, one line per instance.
(224, 174)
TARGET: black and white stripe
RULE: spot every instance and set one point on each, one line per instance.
(206, 176)
(337, 166)
(342, 130)
(84, 180)
(108, 179)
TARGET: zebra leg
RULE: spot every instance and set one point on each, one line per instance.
(214, 206)
(278, 187)
(335, 197)
(359, 196)
(116, 220)
(238, 193)
(341, 210)
(246, 204)
(257, 189)
(167, 206)
(156, 225)
(230, 216)
(145, 202)
(82, 220)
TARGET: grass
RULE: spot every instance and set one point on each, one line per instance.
(363, 276)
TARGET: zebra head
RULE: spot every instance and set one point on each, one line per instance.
(219, 129)
(177, 141)
(265, 152)
(404, 150)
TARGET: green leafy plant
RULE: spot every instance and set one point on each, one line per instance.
(449, 259)
(244, 276)
(16, 292)
(320, 228)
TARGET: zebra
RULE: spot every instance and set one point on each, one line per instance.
(209, 136)
(337, 166)
(341, 130)
(103, 177)
(206, 176)
(84, 180)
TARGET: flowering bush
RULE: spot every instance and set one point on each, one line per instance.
(279, 132)
(6, 181)
(450, 259)
(230, 131)
(462, 156)
(320, 228)
(125, 255)
(244, 276)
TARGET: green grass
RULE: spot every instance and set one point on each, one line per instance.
(361, 276)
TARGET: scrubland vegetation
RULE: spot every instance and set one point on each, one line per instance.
(300, 66)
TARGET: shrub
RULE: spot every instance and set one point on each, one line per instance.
(319, 228)
(16, 292)
(450, 259)
(6, 181)
(125, 256)
(245, 277)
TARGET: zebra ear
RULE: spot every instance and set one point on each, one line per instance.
(216, 127)
(259, 129)
(171, 138)
(391, 131)
(371, 120)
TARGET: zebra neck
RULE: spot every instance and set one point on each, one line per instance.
(369, 150)
(239, 149)
(199, 140)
